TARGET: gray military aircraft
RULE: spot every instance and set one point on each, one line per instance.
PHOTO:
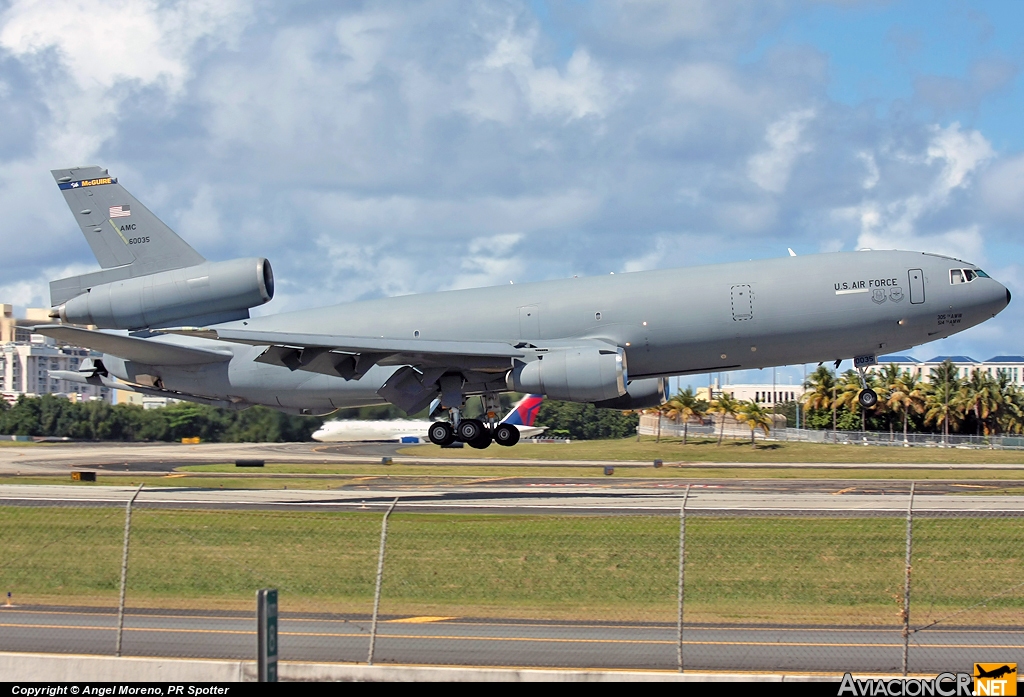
(607, 340)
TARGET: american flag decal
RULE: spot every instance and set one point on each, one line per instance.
(120, 211)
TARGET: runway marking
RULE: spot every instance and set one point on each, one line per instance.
(563, 625)
(512, 622)
(541, 640)
(420, 620)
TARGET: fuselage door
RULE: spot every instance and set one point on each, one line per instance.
(742, 303)
(529, 322)
(916, 286)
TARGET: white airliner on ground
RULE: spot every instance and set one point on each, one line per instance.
(522, 417)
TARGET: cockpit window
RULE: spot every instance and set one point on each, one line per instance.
(957, 276)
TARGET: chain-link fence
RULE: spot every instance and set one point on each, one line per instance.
(761, 589)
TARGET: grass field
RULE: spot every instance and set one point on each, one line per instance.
(815, 570)
(708, 450)
(290, 476)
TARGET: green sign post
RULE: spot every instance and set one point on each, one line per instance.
(266, 633)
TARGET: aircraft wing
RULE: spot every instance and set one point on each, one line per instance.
(351, 356)
(132, 348)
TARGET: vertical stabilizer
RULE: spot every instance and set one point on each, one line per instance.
(119, 229)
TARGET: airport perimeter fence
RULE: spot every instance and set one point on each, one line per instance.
(760, 589)
(737, 431)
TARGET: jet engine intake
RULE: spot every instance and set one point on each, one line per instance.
(640, 394)
(585, 374)
(211, 292)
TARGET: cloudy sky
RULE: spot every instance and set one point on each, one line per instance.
(381, 148)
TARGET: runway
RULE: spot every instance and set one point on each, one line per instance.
(57, 458)
(508, 642)
(553, 499)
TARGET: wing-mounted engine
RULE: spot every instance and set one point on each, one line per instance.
(206, 293)
(640, 394)
(577, 374)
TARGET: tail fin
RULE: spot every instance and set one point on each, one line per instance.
(524, 413)
(123, 234)
(119, 229)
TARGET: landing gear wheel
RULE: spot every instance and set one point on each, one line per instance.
(482, 442)
(470, 430)
(867, 398)
(441, 433)
(506, 435)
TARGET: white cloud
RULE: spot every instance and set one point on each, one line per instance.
(507, 83)
(949, 160)
(770, 169)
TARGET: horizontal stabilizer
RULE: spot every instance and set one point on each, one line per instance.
(148, 351)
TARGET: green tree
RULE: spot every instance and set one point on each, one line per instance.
(685, 406)
(944, 399)
(725, 405)
(906, 394)
(755, 416)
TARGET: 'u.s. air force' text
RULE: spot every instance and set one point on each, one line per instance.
(869, 283)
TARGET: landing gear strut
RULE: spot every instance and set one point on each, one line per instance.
(867, 398)
(474, 432)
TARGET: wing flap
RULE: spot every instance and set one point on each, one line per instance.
(131, 348)
(351, 356)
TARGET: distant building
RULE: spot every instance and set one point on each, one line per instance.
(143, 400)
(762, 393)
(1010, 366)
(26, 360)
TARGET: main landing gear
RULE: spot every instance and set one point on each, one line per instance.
(473, 432)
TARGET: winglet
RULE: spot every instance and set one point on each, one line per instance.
(791, 252)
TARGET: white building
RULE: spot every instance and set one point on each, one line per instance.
(1010, 366)
(762, 393)
(26, 360)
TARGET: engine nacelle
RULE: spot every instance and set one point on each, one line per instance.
(222, 290)
(587, 374)
(640, 394)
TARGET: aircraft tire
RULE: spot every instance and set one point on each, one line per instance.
(482, 442)
(506, 435)
(470, 430)
(441, 433)
(868, 398)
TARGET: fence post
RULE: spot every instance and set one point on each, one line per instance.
(124, 568)
(682, 567)
(906, 578)
(380, 575)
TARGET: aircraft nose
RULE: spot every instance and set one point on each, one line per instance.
(1008, 296)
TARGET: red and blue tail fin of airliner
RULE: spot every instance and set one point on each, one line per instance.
(524, 413)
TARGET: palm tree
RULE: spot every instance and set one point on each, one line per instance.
(850, 387)
(983, 397)
(658, 411)
(755, 416)
(726, 406)
(818, 388)
(820, 391)
(885, 380)
(944, 397)
(904, 395)
(685, 406)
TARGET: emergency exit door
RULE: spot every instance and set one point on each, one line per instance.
(916, 286)
(742, 303)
